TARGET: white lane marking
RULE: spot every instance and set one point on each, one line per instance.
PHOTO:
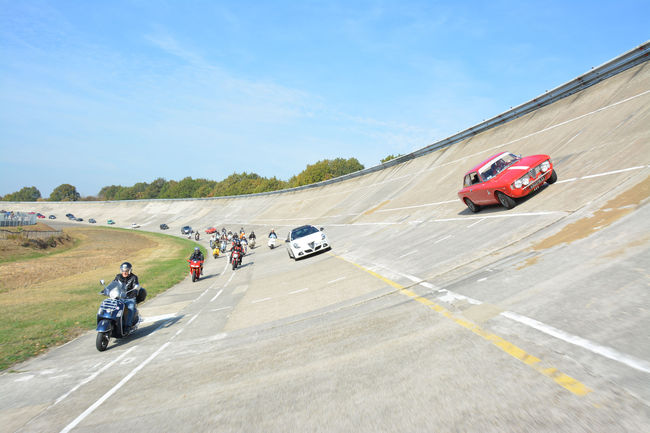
(481, 279)
(113, 390)
(192, 319)
(442, 239)
(473, 224)
(334, 281)
(201, 295)
(217, 295)
(612, 172)
(260, 300)
(219, 309)
(158, 318)
(418, 205)
(25, 378)
(591, 346)
(229, 280)
(299, 291)
(407, 254)
(607, 352)
(567, 180)
(92, 376)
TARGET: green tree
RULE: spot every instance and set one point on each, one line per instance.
(65, 192)
(28, 193)
(389, 157)
(325, 170)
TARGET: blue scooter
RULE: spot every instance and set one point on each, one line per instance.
(112, 316)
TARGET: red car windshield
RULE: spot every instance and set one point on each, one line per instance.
(497, 165)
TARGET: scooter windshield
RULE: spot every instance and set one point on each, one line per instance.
(115, 290)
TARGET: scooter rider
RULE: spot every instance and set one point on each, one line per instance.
(252, 235)
(198, 255)
(130, 280)
(272, 234)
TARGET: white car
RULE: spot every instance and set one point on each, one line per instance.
(135, 226)
(306, 240)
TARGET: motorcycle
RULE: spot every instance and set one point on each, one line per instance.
(196, 236)
(224, 245)
(271, 242)
(195, 269)
(112, 316)
(251, 243)
(215, 251)
(235, 259)
(244, 243)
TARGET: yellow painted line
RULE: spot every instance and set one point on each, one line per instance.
(565, 381)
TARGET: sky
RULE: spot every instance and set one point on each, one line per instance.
(98, 93)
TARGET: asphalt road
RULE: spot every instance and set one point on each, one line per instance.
(422, 317)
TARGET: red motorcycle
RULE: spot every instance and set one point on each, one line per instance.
(195, 269)
(235, 259)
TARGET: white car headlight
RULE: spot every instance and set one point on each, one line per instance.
(295, 245)
(322, 236)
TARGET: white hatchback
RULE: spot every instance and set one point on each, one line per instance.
(306, 240)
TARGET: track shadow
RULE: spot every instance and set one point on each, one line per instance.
(497, 208)
(143, 331)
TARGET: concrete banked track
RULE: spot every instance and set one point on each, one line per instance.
(422, 317)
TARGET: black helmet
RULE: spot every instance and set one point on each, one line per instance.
(126, 266)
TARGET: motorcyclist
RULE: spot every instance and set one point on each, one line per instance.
(129, 280)
(252, 235)
(237, 247)
(198, 255)
(272, 234)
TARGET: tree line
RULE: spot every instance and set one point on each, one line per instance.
(235, 184)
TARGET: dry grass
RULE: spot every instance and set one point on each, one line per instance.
(49, 300)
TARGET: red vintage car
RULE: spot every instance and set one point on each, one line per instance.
(504, 177)
(210, 230)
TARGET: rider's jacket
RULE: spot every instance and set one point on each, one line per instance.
(273, 235)
(239, 249)
(197, 256)
(129, 282)
(252, 236)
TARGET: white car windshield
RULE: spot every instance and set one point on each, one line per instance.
(303, 231)
(497, 165)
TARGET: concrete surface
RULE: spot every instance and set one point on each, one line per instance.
(423, 316)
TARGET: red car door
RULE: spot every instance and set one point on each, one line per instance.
(477, 190)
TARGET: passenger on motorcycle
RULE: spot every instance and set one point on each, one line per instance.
(130, 280)
(198, 255)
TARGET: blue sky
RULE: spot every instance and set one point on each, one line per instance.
(96, 93)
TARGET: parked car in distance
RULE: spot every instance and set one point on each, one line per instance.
(504, 177)
(164, 226)
(210, 230)
(40, 215)
(92, 221)
(79, 219)
(187, 230)
(52, 217)
(110, 222)
(135, 225)
(305, 240)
